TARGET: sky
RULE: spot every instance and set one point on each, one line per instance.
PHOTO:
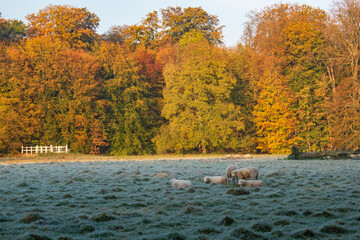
(231, 13)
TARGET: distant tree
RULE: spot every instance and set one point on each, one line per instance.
(116, 34)
(293, 36)
(156, 30)
(197, 105)
(132, 95)
(246, 67)
(176, 22)
(142, 34)
(74, 25)
(54, 93)
(345, 105)
(14, 127)
(11, 30)
(276, 123)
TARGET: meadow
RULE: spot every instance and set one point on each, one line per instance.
(304, 199)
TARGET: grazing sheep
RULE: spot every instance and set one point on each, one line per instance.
(237, 156)
(251, 183)
(216, 179)
(228, 172)
(247, 156)
(175, 183)
(245, 173)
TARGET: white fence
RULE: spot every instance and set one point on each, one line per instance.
(45, 149)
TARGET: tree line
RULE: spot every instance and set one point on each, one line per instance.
(168, 84)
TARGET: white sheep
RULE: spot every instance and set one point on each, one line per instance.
(176, 183)
(228, 172)
(247, 156)
(237, 156)
(245, 173)
(251, 183)
(216, 179)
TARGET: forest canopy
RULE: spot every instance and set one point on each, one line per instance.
(169, 85)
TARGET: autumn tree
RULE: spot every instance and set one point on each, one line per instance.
(56, 91)
(144, 34)
(14, 128)
(157, 29)
(345, 104)
(276, 122)
(293, 37)
(197, 105)
(71, 24)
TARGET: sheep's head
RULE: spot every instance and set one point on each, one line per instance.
(242, 182)
(206, 180)
(172, 180)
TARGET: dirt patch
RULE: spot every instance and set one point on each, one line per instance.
(333, 229)
(237, 191)
(31, 218)
(103, 218)
(262, 227)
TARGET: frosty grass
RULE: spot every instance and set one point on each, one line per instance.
(317, 199)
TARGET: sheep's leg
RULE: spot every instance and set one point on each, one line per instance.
(233, 180)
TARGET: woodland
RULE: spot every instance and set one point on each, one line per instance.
(169, 85)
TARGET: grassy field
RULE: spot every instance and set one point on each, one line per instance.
(109, 198)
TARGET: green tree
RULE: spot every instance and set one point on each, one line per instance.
(197, 105)
(305, 46)
(245, 66)
(132, 106)
(11, 30)
(176, 22)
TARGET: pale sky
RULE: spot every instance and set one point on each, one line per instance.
(231, 13)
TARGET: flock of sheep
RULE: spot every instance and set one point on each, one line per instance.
(233, 172)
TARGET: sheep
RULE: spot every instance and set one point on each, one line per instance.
(247, 156)
(238, 156)
(176, 183)
(251, 183)
(216, 179)
(228, 171)
(245, 173)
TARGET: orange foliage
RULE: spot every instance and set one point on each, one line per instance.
(74, 25)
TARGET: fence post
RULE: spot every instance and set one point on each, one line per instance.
(51, 148)
(66, 148)
(22, 149)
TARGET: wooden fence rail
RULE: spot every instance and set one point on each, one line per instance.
(44, 149)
